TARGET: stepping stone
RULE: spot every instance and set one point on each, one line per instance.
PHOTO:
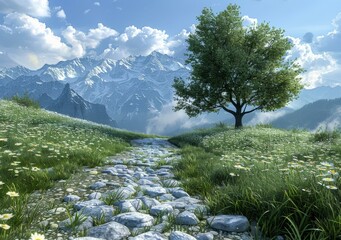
(149, 202)
(177, 235)
(126, 206)
(71, 198)
(88, 238)
(94, 195)
(188, 200)
(166, 197)
(65, 225)
(134, 219)
(180, 194)
(186, 218)
(154, 191)
(98, 212)
(93, 202)
(150, 236)
(97, 185)
(197, 208)
(205, 236)
(161, 209)
(229, 223)
(109, 231)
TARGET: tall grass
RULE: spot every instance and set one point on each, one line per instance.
(37, 148)
(286, 181)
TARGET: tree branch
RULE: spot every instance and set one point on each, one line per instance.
(228, 110)
(257, 108)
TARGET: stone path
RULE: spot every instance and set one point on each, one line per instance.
(135, 197)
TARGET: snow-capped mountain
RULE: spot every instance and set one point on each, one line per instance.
(133, 90)
(137, 91)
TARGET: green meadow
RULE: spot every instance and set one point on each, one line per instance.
(286, 182)
(38, 148)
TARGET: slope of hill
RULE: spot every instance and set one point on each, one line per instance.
(38, 148)
(283, 180)
(319, 114)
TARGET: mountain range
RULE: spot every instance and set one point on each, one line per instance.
(71, 104)
(321, 114)
(136, 92)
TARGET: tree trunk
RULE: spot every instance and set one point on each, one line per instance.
(238, 116)
(238, 121)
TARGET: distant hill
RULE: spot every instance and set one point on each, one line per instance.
(322, 113)
(312, 95)
(71, 104)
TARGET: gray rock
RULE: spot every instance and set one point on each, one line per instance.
(205, 236)
(109, 231)
(145, 182)
(94, 195)
(92, 202)
(71, 198)
(197, 208)
(126, 206)
(161, 209)
(121, 166)
(68, 225)
(159, 228)
(177, 235)
(97, 185)
(177, 205)
(229, 223)
(149, 202)
(187, 218)
(134, 219)
(110, 170)
(88, 238)
(180, 194)
(188, 200)
(122, 192)
(166, 197)
(150, 236)
(154, 191)
(97, 212)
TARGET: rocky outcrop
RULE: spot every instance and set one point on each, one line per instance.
(71, 104)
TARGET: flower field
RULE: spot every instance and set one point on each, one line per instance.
(38, 148)
(287, 182)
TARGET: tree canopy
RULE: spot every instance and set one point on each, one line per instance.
(237, 68)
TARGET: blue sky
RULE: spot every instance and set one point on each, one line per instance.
(38, 32)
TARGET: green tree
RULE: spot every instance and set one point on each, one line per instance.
(236, 68)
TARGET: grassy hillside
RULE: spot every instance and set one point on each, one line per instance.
(36, 149)
(286, 182)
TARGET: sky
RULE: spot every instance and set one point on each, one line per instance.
(38, 32)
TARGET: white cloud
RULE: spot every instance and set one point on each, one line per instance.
(316, 64)
(135, 41)
(97, 3)
(178, 44)
(249, 21)
(168, 121)
(87, 11)
(81, 41)
(61, 14)
(267, 117)
(35, 8)
(28, 42)
(331, 42)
